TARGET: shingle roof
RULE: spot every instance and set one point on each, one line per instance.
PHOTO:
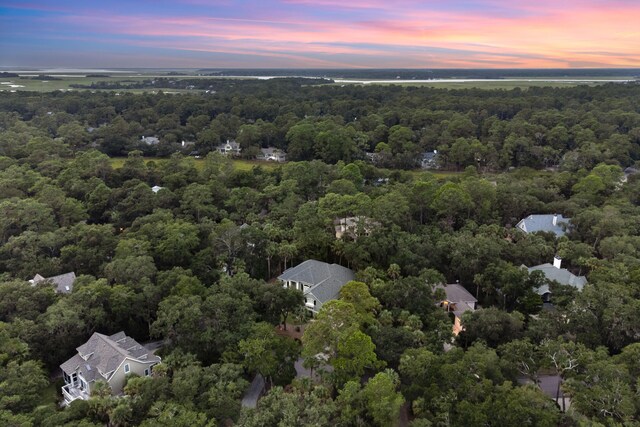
(271, 151)
(560, 275)
(631, 170)
(325, 280)
(63, 282)
(534, 223)
(461, 308)
(429, 155)
(104, 354)
(457, 293)
(150, 140)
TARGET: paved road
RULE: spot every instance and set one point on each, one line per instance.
(251, 396)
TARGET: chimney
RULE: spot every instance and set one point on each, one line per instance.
(555, 219)
(557, 261)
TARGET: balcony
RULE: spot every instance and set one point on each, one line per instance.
(72, 393)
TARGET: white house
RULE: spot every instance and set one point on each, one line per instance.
(229, 148)
(272, 154)
(150, 140)
(106, 358)
(354, 226)
(429, 160)
(319, 282)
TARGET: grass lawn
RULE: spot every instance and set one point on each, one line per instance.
(437, 173)
(246, 165)
(241, 165)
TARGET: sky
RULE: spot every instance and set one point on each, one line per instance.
(320, 33)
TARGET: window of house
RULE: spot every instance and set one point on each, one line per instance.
(126, 368)
(146, 372)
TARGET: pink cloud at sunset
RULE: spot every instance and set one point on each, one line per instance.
(329, 33)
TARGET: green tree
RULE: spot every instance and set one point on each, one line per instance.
(355, 353)
(382, 399)
(269, 354)
(493, 326)
(367, 306)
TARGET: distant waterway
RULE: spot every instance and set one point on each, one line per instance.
(401, 81)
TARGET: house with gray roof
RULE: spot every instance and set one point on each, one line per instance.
(550, 223)
(354, 226)
(319, 282)
(429, 160)
(555, 273)
(63, 282)
(272, 154)
(105, 358)
(457, 301)
(150, 140)
(630, 171)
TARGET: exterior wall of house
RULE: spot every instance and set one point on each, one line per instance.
(457, 326)
(471, 304)
(76, 387)
(117, 379)
(297, 285)
(310, 302)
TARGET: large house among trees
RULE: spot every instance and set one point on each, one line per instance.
(229, 148)
(555, 273)
(319, 282)
(549, 223)
(272, 154)
(457, 301)
(106, 358)
(63, 282)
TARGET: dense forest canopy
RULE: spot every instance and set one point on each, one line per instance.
(193, 264)
(569, 128)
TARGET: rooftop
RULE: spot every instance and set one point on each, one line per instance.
(64, 282)
(550, 223)
(457, 293)
(325, 280)
(102, 355)
(560, 275)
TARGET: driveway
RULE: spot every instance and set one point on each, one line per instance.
(251, 396)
